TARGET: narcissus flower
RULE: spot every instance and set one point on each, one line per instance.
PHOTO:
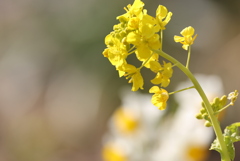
(187, 37)
(113, 152)
(125, 120)
(159, 99)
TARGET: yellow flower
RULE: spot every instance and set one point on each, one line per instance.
(154, 66)
(163, 16)
(133, 23)
(187, 38)
(145, 38)
(134, 74)
(161, 79)
(167, 69)
(116, 51)
(164, 75)
(125, 121)
(159, 99)
(136, 8)
(132, 10)
(112, 152)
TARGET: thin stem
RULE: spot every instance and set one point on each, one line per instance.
(145, 62)
(214, 121)
(189, 55)
(161, 38)
(224, 108)
(182, 90)
(130, 50)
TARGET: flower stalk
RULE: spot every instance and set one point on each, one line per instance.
(215, 123)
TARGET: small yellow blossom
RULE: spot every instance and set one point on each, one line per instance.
(136, 8)
(134, 74)
(163, 16)
(161, 79)
(187, 39)
(145, 37)
(159, 99)
(133, 23)
(155, 66)
(132, 11)
(112, 152)
(163, 76)
(116, 51)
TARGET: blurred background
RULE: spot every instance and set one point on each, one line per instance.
(58, 92)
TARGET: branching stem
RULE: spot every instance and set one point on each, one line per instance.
(182, 90)
(216, 126)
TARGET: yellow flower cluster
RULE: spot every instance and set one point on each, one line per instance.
(138, 33)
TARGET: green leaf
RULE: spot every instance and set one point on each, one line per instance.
(231, 135)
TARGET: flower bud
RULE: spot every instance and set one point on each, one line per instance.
(203, 110)
(207, 124)
(205, 116)
(223, 100)
(199, 116)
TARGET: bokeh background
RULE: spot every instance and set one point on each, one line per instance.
(57, 91)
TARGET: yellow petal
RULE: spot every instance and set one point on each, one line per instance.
(143, 52)
(161, 12)
(155, 66)
(137, 81)
(188, 31)
(178, 38)
(133, 38)
(154, 89)
(137, 7)
(157, 79)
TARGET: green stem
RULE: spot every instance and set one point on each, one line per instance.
(181, 90)
(188, 58)
(214, 121)
(224, 108)
(145, 62)
(161, 38)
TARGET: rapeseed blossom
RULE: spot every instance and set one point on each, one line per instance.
(163, 16)
(187, 37)
(138, 33)
(163, 75)
(160, 97)
(133, 74)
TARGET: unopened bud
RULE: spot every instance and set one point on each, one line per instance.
(199, 116)
(203, 110)
(223, 100)
(207, 124)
